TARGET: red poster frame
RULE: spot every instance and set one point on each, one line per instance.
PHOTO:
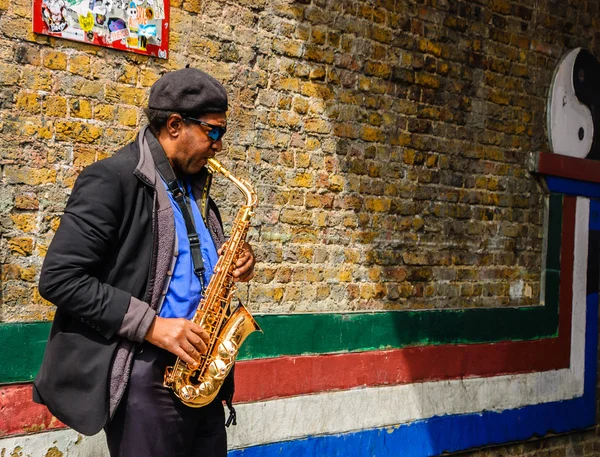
(60, 15)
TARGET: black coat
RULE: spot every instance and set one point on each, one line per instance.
(101, 256)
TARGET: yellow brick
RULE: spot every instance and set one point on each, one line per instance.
(379, 69)
(55, 106)
(345, 276)
(284, 102)
(41, 130)
(39, 300)
(317, 90)
(317, 73)
(77, 131)
(292, 84)
(24, 221)
(104, 112)
(127, 116)
(18, 27)
(66, 177)
(83, 156)
(368, 133)
(26, 201)
(379, 205)
(80, 65)
(42, 248)
(9, 74)
(25, 175)
(36, 79)
(317, 126)
(28, 274)
(129, 74)
(54, 222)
(500, 98)
(148, 77)
(125, 95)
(312, 144)
(29, 102)
(336, 183)
(429, 47)
(192, 6)
(55, 60)
(206, 47)
(427, 80)
(287, 47)
(81, 108)
(21, 246)
(318, 54)
(86, 88)
(301, 180)
(374, 273)
(4, 4)
(345, 130)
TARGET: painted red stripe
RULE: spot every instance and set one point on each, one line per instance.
(19, 414)
(567, 259)
(568, 167)
(289, 376)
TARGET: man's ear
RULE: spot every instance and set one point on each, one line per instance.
(174, 125)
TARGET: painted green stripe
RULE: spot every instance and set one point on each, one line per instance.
(22, 350)
(295, 334)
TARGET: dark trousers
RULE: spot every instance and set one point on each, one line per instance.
(150, 421)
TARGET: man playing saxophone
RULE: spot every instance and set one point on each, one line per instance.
(135, 249)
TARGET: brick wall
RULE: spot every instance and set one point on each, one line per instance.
(387, 140)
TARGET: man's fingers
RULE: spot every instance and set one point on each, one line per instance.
(243, 259)
(197, 345)
(200, 332)
(244, 276)
(187, 358)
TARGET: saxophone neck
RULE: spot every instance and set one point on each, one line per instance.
(242, 185)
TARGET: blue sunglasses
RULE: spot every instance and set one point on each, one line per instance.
(215, 133)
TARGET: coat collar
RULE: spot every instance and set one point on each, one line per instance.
(146, 170)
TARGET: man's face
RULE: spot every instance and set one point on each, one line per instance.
(194, 146)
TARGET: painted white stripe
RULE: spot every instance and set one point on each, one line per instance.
(582, 222)
(69, 442)
(358, 409)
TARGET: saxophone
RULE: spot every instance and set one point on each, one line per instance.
(198, 385)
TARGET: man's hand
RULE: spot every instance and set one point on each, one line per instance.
(180, 337)
(244, 271)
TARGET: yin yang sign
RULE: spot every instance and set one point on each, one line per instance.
(574, 106)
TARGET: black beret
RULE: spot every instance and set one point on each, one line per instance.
(188, 91)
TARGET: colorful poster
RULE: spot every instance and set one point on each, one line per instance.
(140, 26)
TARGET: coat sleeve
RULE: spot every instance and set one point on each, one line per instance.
(87, 234)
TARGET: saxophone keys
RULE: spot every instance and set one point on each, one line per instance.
(188, 392)
(218, 369)
(227, 349)
(206, 388)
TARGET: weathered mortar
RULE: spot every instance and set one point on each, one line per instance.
(387, 141)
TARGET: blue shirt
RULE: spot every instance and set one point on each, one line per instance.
(184, 292)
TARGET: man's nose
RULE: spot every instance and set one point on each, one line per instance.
(217, 145)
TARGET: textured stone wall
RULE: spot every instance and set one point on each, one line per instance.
(387, 140)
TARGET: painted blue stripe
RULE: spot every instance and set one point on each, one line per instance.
(573, 187)
(458, 432)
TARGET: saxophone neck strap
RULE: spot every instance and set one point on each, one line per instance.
(161, 162)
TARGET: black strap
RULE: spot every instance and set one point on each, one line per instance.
(232, 414)
(168, 175)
